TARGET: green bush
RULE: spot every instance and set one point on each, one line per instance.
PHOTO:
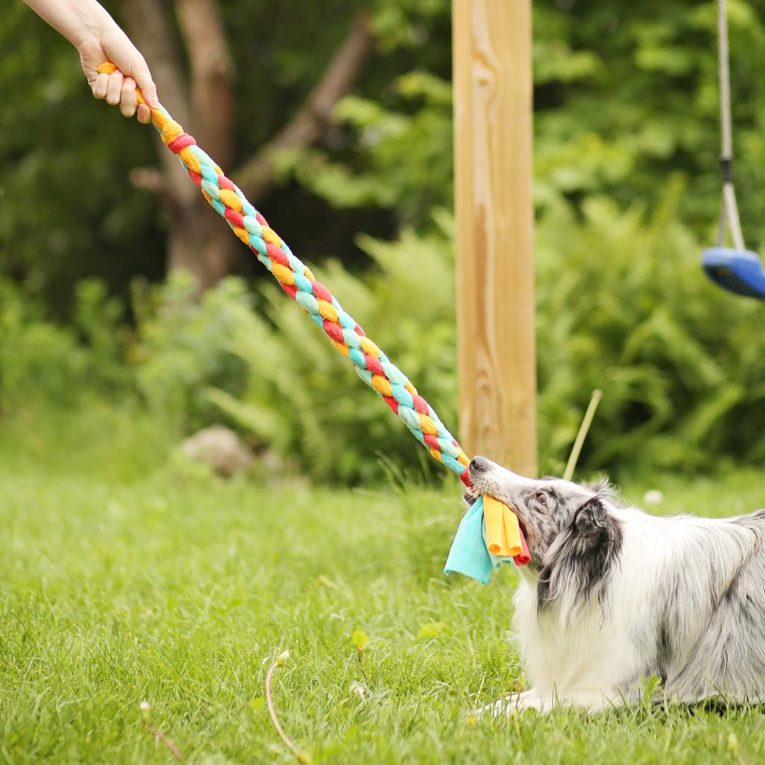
(44, 361)
(623, 306)
(181, 347)
(37, 358)
(99, 319)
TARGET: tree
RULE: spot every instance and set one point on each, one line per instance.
(204, 102)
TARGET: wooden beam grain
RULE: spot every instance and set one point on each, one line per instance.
(493, 200)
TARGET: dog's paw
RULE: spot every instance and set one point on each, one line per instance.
(496, 709)
(515, 702)
(590, 702)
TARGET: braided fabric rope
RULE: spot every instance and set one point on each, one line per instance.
(297, 280)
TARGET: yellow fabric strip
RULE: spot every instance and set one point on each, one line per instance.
(503, 533)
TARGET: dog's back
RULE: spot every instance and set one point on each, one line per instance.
(711, 633)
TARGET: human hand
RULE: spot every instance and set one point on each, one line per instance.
(119, 87)
(98, 39)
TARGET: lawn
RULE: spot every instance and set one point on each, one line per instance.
(122, 583)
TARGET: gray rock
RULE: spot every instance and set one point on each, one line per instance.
(219, 448)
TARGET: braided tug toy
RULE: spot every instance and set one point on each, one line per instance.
(479, 531)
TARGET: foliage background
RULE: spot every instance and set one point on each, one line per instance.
(626, 195)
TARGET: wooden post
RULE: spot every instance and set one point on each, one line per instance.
(493, 199)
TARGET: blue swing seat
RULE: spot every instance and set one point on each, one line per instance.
(738, 271)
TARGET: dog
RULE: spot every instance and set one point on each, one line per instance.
(613, 596)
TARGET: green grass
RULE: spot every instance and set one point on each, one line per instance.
(119, 584)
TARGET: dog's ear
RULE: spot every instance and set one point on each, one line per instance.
(583, 555)
(591, 522)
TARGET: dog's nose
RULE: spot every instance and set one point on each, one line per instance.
(479, 465)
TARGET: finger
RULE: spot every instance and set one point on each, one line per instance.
(128, 100)
(114, 88)
(144, 114)
(99, 86)
(144, 81)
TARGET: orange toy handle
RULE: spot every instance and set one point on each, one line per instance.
(108, 68)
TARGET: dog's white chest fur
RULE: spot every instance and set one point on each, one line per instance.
(575, 657)
(560, 658)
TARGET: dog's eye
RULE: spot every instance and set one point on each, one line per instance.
(540, 496)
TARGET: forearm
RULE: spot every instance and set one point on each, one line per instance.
(77, 20)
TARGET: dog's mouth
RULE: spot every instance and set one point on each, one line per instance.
(470, 497)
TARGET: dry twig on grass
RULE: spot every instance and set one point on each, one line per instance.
(158, 734)
(279, 661)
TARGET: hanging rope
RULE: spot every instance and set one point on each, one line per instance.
(729, 208)
(297, 280)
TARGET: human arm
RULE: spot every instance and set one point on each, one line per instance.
(98, 38)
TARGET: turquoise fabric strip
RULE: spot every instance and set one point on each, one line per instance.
(468, 554)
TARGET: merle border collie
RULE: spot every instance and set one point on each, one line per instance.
(613, 595)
